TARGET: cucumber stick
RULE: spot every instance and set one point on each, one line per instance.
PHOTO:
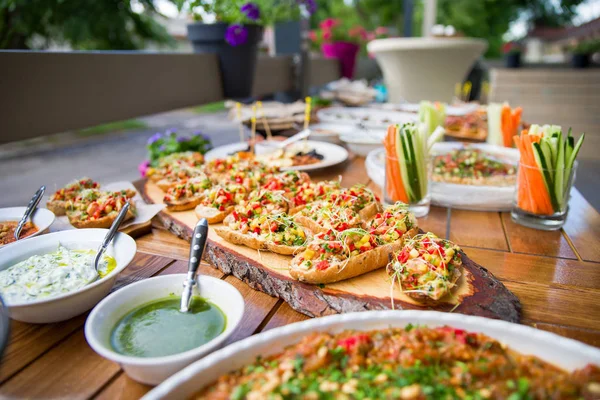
(412, 153)
(494, 116)
(555, 156)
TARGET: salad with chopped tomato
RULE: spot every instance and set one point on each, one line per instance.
(93, 204)
(470, 166)
(427, 267)
(70, 191)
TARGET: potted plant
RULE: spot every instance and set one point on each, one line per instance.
(582, 51)
(236, 33)
(512, 54)
(163, 144)
(342, 42)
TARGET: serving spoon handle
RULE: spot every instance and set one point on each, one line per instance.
(33, 203)
(196, 249)
(114, 228)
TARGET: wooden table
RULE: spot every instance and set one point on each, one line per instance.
(556, 275)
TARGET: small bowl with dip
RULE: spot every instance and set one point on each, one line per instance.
(141, 328)
(51, 278)
(38, 224)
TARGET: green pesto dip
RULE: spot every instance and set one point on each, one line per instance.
(159, 329)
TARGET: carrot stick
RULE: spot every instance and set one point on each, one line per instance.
(395, 185)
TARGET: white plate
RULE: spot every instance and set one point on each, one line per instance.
(466, 197)
(333, 136)
(68, 305)
(42, 218)
(376, 119)
(566, 353)
(333, 154)
(153, 370)
(450, 110)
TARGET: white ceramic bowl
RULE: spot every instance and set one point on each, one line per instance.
(68, 305)
(565, 353)
(42, 218)
(153, 370)
(361, 145)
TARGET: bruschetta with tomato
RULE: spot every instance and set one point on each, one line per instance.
(97, 209)
(187, 195)
(260, 202)
(322, 216)
(289, 182)
(310, 192)
(427, 268)
(58, 201)
(359, 198)
(219, 201)
(393, 223)
(334, 256)
(275, 232)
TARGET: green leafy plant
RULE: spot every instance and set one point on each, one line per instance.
(160, 145)
(586, 47)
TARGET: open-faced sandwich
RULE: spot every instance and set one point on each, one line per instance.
(174, 161)
(427, 267)
(187, 195)
(275, 232)
(260, 202)
(219, 201)
(58, 201)
(289, 182)
(359, 198)
(177, 175)
(310, 192)
(333, 256)
(322, 216)
(97, 209)
(393, 223)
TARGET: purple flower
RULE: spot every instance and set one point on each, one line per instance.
(181, 139)
(236, 35)
(157, 136)
(311, 5)
(170, 132)
(162, 147)
(202, 135)
(251, 10)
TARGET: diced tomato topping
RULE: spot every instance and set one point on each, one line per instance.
(321, 265)
(353, 341)
(403, 256)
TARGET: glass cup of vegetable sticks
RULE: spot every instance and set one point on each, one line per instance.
(533, 206)
(545, 176)
(406, 168)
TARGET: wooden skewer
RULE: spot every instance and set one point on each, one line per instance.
(253, 132)
(238, 110)
(457, 91)
(264, 119)
(307, 110)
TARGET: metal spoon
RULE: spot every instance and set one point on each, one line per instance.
(114, 228)
(292, 139)
(196, 249)
(33, 203)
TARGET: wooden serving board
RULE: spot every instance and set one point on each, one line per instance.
(478, 292)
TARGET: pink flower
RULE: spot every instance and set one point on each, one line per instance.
(381, 30)
(312, 35)
(327, 35)
(143, 168)
(329, 23)
(371, 36)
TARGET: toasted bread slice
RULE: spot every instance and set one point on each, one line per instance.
(183, 204)
(212, 215)
(370, 211)
(284, 249)
(58, 207)
(252, 241)
(103, 222)
(354, 266)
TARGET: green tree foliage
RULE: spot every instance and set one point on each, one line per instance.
(82, 24)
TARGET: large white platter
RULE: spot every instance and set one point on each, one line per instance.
(368, 117)
(565, 353)
(333, 154)
(466, 197)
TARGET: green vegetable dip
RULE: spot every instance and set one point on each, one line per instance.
(159, 329)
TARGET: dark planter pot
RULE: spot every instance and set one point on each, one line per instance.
(513, 60)
(237, 63)
(580, 60)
